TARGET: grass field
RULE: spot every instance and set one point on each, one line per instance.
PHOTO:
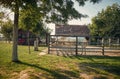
(34, 66)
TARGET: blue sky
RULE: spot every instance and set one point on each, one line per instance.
(90, 9)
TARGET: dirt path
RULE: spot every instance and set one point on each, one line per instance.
(44, 52)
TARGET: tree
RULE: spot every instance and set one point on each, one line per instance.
(107, 22)
(6, 30)
(29, 17)
(42, 31)
(62, 8)
(1, 17)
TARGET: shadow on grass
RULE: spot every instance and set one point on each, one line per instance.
(72, 54)
(100, 68)
(56, 74)
(91, 57)
(100, 64)
(108, 64)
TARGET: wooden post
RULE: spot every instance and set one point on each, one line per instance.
(103, 46)
(49, 44)
(76, 45)
(118, 42)
(109, 42)
(35, 45)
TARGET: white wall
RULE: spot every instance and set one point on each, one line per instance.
(52, 27)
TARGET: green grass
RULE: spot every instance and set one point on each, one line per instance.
(55, 67)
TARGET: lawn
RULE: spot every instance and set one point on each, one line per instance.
(34, 66)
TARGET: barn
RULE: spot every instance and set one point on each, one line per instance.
(82, 31)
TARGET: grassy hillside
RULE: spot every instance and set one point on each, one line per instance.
(34, 66)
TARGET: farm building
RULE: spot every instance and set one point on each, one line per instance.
(69, 37)
(73, 30)
(82, 31)
(23, 37)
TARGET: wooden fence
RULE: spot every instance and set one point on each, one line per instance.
(77, 46)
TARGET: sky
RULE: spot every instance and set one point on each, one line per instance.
(89, 9)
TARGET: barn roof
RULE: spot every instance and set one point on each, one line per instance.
(74, 30)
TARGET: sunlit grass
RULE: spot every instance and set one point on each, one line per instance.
(52, 66)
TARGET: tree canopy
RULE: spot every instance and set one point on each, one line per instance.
(107, 22)
(6, 26)
(53, 11)
(6, 29)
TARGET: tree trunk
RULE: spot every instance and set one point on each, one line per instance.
(28, 37)
(15, 33)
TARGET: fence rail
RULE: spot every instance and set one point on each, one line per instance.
(80, 45)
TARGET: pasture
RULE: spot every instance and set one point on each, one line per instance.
(35, 66)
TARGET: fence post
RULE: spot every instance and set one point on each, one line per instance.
(103, 46)
(36, 45)
(76, 45)
(118, 43)
(49, 44)
(109, 40)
